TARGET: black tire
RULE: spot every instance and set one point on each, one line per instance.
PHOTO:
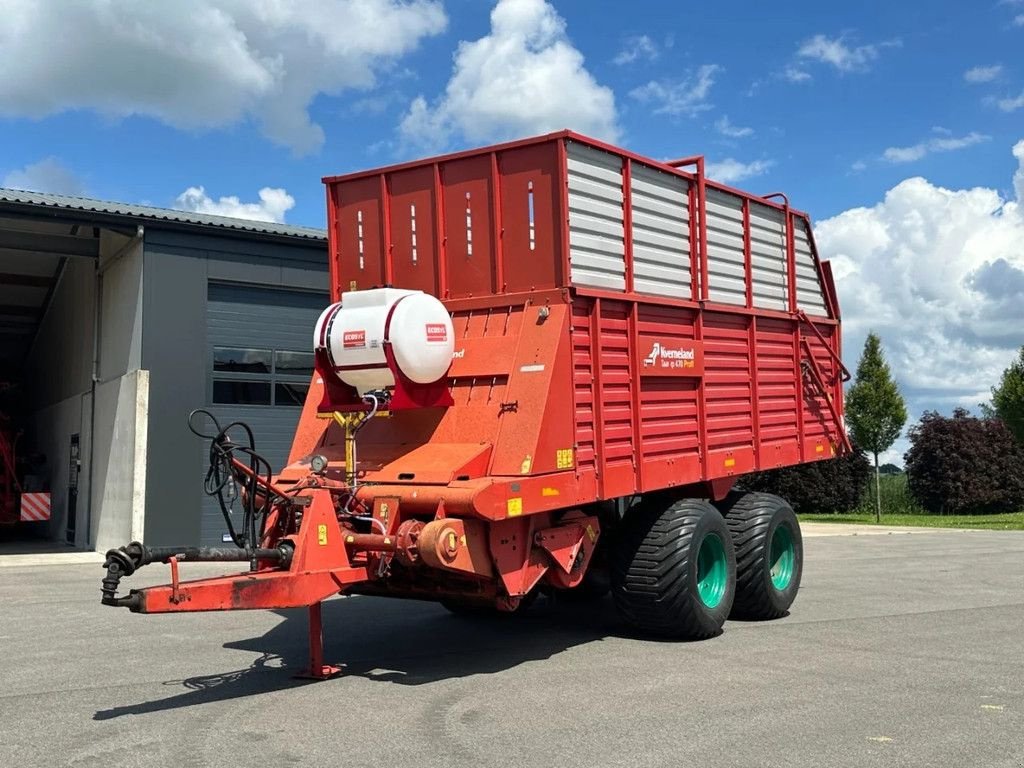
(753, 519)
(654, 571)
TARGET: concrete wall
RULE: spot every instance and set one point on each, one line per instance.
(119, 453)
(59, 378)
(178, 268)
(119, 446)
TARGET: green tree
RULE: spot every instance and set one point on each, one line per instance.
(1008, 398)
(875, 411)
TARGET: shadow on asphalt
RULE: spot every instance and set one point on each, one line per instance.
(395, 641)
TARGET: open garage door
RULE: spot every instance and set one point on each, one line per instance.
(260, 363)
(47, 309)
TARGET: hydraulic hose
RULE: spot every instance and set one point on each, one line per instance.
(128, 559)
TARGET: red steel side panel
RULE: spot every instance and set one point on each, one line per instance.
(468, 224)
(530, 202)
(729, 432)
(358, 245)
(670, 438)
(413, 256)
(617, 458)
(777, 393)
(820, 435)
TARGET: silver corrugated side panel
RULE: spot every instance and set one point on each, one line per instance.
(596, 232)
(768, 257)
(661, 232)
(726, 281)
(809, 296)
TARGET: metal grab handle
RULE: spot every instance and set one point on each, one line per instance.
(846, 376)
(783, 195)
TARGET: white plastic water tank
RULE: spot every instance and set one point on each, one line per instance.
(354, 330)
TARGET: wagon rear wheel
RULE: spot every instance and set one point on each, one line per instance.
(769, 554)
(673, 569)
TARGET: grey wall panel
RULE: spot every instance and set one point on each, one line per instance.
(726, 259)
(809, 295)
(263, 318)
(596, 231)
(173, 350)
(176, 351)
(661, 232)
(312, 252)
(768, 257)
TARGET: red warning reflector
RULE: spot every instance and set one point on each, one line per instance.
(35, 507)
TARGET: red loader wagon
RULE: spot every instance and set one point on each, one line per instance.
(546, 365)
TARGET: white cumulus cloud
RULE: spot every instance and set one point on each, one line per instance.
(836, 52)
(939, 274)
(47, 175)
(983, 74)
(726, 128)
(636, 47)
(524, 77)
(934, 144)
(201, 64)
(730, 171)
(1012, 103)
(796, 75)
(685, 96)
(273, 204)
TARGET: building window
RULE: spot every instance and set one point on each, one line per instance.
(241, 392)
(293, 363)
(237, 360)
(261, 376)
(290, 394)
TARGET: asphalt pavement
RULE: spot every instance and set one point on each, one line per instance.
(901, 650)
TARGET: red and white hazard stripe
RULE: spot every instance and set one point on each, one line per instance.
(35, 507)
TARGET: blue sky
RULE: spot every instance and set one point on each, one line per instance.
(893, 123)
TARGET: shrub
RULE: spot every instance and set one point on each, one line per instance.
(896, 498)
(832, 486)
(964, 465)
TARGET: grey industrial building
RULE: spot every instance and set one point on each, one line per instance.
(116, 321)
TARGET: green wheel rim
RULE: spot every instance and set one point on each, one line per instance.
(712, 571)
(782, 557)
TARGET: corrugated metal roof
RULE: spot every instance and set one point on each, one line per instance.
(87, 205)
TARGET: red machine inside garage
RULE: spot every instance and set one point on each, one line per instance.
(17, 505)
(546, 365)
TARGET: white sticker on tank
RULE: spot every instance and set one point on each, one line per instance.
(532, 368)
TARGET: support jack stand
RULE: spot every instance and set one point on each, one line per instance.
(317, 669)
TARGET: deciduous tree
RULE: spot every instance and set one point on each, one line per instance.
(964, 465)
(875, 410)
(1008, 398)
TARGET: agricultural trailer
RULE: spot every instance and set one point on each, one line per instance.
(546, 365)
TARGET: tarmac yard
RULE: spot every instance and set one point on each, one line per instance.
(903, 649)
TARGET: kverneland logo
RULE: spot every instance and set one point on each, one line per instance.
(674, 357)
